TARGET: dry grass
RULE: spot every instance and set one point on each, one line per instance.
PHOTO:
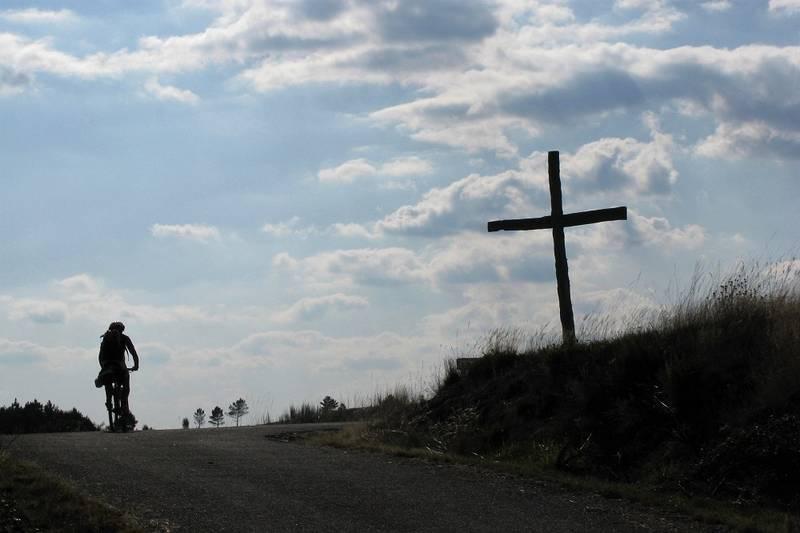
(53, 504)
(751, 519)
(697, 401)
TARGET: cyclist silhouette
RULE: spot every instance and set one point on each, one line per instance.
(113, 371)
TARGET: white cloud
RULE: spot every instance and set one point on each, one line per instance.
(483, 79)
(13, 82)
(529, 312)
(87, 298)
(169, 93)
(748, 139)
(354, 169)
(464, 204)
(716, 5)
(626, 165)
(38, 311)
(248, 32)
(525, 307)
(447, 120)
(658, 232)
(38, 16)
(471, 258)
(601, 314)
(84, 298)
(785, 6)
(347, 172)
(274, 347)
(314, 352)
(294, 228)
(194, 232)
(289, 228)
(334, 66)
(79, 284)
(28, 57)
(55, 358)
(20, 353)
(534, 86)
(405, 166)
(554, 13)
(315, 307)
(353, 231)
(368, 266)
(639, 4)
(467, 258)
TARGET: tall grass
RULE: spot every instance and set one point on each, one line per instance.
(703, 392)
(383, 406)
(305, 413)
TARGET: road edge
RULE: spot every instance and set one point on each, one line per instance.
(51, 503)
(705, 510)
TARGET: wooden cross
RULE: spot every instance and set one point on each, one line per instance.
(558, 221)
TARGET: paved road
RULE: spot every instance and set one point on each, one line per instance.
(237, 479)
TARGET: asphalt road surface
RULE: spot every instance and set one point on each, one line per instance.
(239, 479)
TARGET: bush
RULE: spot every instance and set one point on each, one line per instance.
(756, 463)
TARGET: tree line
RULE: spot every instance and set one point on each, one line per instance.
(236, 411)
(36, 417)
(328, 410)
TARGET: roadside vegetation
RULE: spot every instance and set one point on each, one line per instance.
(33, 500)
(697, 401)
(36, 417)
(236, 411)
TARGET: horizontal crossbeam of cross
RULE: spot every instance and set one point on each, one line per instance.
(571, 219)
(557, 220)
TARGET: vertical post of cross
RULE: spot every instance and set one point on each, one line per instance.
(557, 221)
(559, 248)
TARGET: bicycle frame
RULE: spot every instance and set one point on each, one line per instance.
(114, 405)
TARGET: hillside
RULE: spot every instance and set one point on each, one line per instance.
(702, 397)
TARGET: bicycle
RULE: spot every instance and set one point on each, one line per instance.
(120, 417)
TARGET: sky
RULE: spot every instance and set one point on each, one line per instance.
(287, 199)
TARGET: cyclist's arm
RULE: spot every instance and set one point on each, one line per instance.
(132, 350)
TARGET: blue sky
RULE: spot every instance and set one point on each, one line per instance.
(288, 199)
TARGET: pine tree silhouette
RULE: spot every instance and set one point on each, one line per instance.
(217, 417)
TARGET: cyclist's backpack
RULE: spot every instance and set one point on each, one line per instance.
(112, 348)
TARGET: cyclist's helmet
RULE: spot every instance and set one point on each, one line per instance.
(116, 326)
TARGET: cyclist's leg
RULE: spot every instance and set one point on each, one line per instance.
(125, 390)
(109, 405)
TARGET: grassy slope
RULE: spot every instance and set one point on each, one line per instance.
(700, 401)
(712, 511)
(704, 398)
(52, 504)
